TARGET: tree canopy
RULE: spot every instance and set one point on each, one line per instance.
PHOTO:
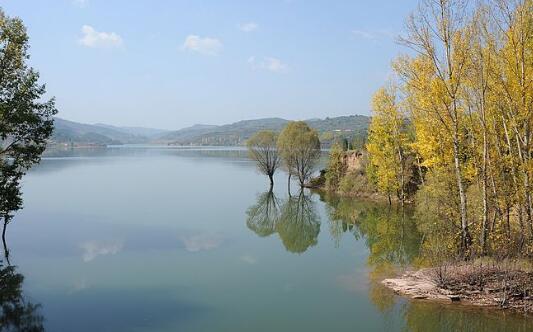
(299, 147)
(262, 147)
(26, 121)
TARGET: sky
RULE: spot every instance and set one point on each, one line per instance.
(171, 64)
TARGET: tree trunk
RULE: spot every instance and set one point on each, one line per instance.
(465, 234)
(485, 194)
(420, 173)
(6, 250)
(402, 178)
(289, 184)
(271, 178)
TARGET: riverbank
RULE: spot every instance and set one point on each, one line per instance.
(488, 285)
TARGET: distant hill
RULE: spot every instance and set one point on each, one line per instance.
(136, 131)
(330, 129)
(78, 133)
(237, 133)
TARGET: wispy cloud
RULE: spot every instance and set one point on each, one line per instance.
(363, 34)
(201, 242)
(96, 39)
(93, 249)
(248, 27)
(202, 45)
(271, 64)
(248, 259)
(79, 286)
(372, 34)
(81, 3)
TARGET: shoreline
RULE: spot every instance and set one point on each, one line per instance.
(478, 286)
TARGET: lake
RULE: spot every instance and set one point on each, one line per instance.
(139, 238)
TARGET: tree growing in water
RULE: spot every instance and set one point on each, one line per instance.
(262, 148)
(299, 147)
(26, 122)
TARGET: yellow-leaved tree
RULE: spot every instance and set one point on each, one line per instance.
(388, 145)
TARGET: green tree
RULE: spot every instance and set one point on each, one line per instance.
(262, 148)
(299, 147)
(26, 122)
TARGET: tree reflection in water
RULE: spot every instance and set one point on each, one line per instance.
(393, 242)
(264, 215)
(16, 312)
(295, 220)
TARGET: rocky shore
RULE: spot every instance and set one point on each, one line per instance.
(488, 286)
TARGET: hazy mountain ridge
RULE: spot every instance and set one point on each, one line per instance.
(136, 131)
(66, 131)
(200, 134)
(237, 133)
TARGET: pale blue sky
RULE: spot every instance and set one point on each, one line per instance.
(171, 64)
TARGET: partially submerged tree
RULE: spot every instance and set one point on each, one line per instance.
(10, 196)
(26, 122)
(299, 147)
(262, 148)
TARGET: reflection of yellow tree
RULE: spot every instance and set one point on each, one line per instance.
(299, 224)
(381, 296)
(263, 216)
(424, 316)
(391, 236)
(16, 314)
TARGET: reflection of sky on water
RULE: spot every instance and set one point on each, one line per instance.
(93, 249)
(134, 239)
(201, 242)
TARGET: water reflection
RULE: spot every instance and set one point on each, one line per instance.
(393, 241)
(425, 316)
(294, 219)
(208, 281)
(16, 312)
(265, 214)
(390, 234)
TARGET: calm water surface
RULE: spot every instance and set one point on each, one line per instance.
(169, 239)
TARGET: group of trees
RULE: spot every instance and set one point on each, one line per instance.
(458, 124)
(26, 121)
(297, 148)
